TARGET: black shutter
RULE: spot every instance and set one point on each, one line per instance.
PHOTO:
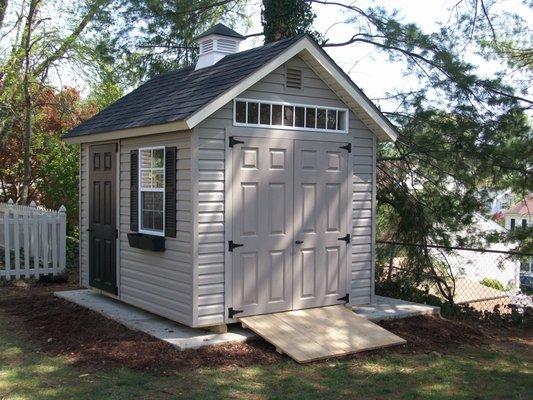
(134, 190)
(170, 191)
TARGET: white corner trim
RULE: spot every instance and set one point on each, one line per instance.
(303, 44)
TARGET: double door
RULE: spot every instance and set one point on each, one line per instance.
(289, 222)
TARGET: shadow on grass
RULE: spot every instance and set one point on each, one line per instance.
(472, 373)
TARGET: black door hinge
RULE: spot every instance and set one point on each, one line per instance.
(347, 147)
(233, 141)
(346, 298)
(116, 233)
(232, 245)
(347, 238)
(232, 312)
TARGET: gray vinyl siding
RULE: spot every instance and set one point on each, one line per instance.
(159, 282)
(363, 209)
(210, 217)
(84, 215)
(209, 138)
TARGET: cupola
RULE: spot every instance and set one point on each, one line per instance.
(216, 43)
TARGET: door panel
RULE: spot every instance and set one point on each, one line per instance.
(102, 217)
(262, 171)
(321, 210)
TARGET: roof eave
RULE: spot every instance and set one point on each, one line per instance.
(127, 133)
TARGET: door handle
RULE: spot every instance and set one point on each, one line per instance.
(299, 242)
(90, 230)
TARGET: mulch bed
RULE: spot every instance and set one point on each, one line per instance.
(93, 342)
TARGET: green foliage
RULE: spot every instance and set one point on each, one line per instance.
(73, 248)
(460, 132)
(58, 177)
(492, 283)
(524, 236)
(165, 39)
(286, 18)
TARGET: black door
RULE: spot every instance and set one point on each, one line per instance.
(102, 217)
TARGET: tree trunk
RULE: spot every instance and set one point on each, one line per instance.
(28, 112)
(28, 136)
(3, 8)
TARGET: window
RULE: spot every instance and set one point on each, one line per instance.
(264, 114)
(299, 113)
(253, 113)
(276, 114)
(310, 118)
(240, 112)
(513, 223)
(341, 120)
(332, 119)
(321, 118)
(152, 190)
(289, 116)
(524, 224)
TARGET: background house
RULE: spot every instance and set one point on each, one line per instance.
(499, 201)
(520, 215)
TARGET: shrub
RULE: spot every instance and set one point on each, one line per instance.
(493, 283)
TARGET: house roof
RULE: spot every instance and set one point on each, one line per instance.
(523, 207)
(183, 98)
(222, 30)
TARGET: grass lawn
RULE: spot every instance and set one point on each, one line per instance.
(473, 373)
(500, 369)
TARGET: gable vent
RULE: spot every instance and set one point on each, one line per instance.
(293, 78)
(227, 45)
(206, 45)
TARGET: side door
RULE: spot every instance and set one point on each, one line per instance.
(102, 217)
(321, 207)
(262, 198)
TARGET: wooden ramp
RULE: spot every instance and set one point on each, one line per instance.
(316, 333)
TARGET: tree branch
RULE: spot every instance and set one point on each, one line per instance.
(69, 40)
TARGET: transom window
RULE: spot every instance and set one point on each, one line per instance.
(289, 116)
(152, 190)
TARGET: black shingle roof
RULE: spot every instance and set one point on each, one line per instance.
(176, 95)
(222, 30)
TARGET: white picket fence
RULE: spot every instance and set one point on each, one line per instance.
(33, 239)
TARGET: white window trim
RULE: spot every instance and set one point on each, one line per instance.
(293, 127)
(140, 190)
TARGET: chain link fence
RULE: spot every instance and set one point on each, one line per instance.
(483, 282)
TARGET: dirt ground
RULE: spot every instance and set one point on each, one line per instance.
(58, 327)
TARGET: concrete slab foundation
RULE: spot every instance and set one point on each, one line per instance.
(178, 335)
(183, 337)
(384, 308)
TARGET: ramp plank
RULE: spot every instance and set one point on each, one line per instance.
(317, 333)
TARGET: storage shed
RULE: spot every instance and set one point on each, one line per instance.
(240, 186)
